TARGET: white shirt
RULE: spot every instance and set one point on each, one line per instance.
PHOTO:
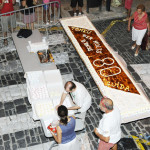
(109, 125)
(81, 97)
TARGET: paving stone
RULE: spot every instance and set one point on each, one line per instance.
(87, 120)
(1, 147)
(140, 125)
(28, 139)
(64, 71)
(21, 109)
(129, 127)
(13, 140)
(6, 137)
(19, 135)
(128, 143)
(123, 130)
(19, 101)
(7, 145)
(2, 113)
(32, 132)
(1, 142)
(14, 147)
(148, 129)
(43, 138)
(8, 105)
(22, 143)
(145, 121)
(33, 140)
(1, 105)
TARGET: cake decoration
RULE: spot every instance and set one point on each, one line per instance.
(106, 66)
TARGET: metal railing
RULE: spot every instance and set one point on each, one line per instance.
(43, 16)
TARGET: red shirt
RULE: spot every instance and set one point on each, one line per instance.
(7, 7)
(140, 24)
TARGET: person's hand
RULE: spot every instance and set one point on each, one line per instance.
(95, 131)
(53, 134)
(57, 106)
(3, 1)
(128, 29)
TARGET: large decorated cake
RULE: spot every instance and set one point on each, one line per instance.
(110, 75)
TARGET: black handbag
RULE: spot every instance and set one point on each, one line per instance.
(24, 33)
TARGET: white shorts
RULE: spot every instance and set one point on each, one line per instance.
(137, 35)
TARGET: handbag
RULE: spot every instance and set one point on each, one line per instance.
(24, 33)
(144, 42)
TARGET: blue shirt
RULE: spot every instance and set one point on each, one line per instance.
(68, 133)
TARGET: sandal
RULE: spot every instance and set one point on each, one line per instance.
(133, 47)
(136, 54)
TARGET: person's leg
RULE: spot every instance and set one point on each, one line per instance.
(80, 5)
(27, 25)
(134, 37)
(108, 2)
(5, 40)
(73, 5)
(32, 26)
(44, 16)
(13, 23)
(137, 50)
(140, 37)
(129, 13)
(4, 24)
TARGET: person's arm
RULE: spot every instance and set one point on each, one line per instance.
(101, 137)
(2, 4)
(129, 22)
(62, 99)
(57, 137)
(148, 25)
(74, 107)
(14, 2)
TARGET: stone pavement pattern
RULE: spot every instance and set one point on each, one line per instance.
(17, 129)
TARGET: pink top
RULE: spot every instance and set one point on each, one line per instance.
(140, 24)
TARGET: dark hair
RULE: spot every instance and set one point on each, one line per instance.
(142, 7)
(63, 114)
(73, 86)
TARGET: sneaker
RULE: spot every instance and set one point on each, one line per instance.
(75, 14)
(79, 14)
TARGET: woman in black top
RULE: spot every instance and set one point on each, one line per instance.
(29, 14)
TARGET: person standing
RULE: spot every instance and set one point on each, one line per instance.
(128, 5)
(66, 136)
(9, 19)
(29, 16)
(74, 5)
(80, 97)
(140, 26)
(108, 131)
(108, 3)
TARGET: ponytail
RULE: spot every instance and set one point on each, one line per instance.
(64, 120)
(63, 114)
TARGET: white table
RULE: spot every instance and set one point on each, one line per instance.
(55, 88)
(30, 61)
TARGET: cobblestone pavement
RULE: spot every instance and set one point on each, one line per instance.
(19, 131)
